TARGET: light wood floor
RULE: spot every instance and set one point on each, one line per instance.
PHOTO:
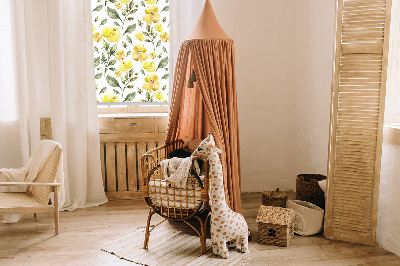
(83, 232)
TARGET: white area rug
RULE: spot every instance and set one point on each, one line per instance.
(168, 247)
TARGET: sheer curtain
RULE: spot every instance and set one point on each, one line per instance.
(54, 77)
(10, 147)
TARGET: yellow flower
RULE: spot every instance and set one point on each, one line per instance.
(125, 65)
(139, 53)
(124, 1)
(158, 95)
(139, 101)
(150, 2)
(139, 36)
(164, 37)
(158, 27)
(151, 10)
(153, 55)
(120, 55)
(93, 28)
(97, 37)
(152, 83)
(118, 73)
(118, 5)
(111, 98)
(113, 34)
(152, 14)
(149, 66)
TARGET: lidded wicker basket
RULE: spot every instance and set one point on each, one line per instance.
(275, 225)
(274, 198)
(308, 189)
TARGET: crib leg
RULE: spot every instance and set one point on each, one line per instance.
(147, 235)
(203, 236)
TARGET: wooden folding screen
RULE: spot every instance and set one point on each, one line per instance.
(358, 96)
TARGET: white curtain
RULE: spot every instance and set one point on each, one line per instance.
(54, 77)
(183, 18)
(10, 147)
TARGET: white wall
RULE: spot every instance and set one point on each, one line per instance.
(388, 227)
(284, 52)
(314, 60)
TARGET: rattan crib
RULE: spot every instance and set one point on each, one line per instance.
(170, 202)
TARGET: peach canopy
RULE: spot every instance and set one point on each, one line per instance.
(208, 102)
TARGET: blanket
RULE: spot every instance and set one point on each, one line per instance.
(176, 170)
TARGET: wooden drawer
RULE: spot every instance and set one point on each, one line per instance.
(162, 124)
(134, 125)
(106, 125)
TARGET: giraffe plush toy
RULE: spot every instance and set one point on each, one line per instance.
(226, 225)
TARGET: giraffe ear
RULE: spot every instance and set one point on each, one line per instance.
(216, 149)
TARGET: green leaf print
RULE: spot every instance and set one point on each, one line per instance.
(163, 63)
(112, 81)
(112, 13)
(97, 61)
(130, 29)
(103, 90)
(98, 8)
(130, 97)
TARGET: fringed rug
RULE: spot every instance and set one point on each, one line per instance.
(168, 247)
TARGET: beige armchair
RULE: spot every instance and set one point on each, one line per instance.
(36, 197)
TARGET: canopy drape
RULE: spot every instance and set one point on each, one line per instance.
(210, 106)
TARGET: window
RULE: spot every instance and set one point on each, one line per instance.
(131, 39)
(392, 108)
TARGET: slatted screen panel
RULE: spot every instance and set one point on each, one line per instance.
(358, 95)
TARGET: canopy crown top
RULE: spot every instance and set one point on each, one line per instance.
(207, 26)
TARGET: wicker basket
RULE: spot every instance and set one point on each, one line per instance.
(275, 225)
(274, 198)
(308, 189)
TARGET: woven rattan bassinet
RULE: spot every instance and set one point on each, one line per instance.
(170, 202)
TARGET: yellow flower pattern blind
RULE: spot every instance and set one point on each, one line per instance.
(131, 50)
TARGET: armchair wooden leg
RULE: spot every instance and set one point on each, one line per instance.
(34, 215)
(147, 235)
(56, 212)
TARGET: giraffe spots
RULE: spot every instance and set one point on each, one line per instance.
(225, 224)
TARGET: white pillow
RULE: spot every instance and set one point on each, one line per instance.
(322, 184)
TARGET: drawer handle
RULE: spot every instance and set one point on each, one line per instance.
(133, 124)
